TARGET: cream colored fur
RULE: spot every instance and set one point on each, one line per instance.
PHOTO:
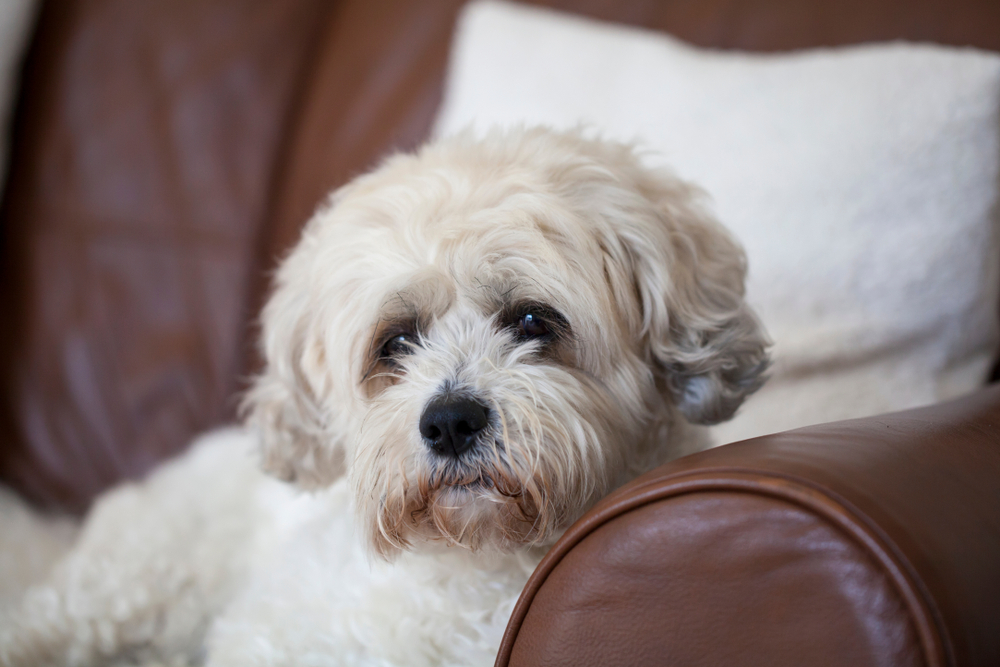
(398, 555)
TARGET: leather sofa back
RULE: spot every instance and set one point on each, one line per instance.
(142, 174)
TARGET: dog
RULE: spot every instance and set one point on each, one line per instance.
(468, 347)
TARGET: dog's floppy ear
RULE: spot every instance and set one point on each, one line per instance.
(298, 442)
(705, 344)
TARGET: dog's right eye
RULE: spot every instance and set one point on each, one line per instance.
(398, 346)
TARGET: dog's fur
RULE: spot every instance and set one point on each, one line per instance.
(414, 283)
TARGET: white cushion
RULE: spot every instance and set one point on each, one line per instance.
(862, 181)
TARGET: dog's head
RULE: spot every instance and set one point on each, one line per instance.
(489, 335)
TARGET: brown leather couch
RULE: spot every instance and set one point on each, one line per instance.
(167, 151)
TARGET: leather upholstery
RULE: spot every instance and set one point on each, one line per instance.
(867, 542)
(141, 177)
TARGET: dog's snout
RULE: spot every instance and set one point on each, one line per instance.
(450, 424)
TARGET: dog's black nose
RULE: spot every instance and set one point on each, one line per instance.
(450, 424)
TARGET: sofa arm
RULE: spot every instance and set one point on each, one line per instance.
(866, 542)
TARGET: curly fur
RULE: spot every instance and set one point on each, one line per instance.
(400, 555)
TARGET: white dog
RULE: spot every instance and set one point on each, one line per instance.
(467, 348)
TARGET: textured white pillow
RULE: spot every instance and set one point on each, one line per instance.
(16, 22)
(862, 181)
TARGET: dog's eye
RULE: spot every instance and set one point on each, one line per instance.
(398, 346)
(532, 326)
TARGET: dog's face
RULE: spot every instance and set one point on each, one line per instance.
(490, 335)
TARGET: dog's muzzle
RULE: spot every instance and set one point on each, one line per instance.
(451, 424)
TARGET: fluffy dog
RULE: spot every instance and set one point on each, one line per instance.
(467, 348)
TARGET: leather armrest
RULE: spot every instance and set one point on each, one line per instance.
(866, 542)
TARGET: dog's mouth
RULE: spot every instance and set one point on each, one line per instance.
(491, 497)
(478, 485)
(476, 475)
(472, 503)
(484, 487)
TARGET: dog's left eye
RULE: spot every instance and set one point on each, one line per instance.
(398, 346)
(532, 326)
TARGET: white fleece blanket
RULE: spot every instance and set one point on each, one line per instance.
(862, 181)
